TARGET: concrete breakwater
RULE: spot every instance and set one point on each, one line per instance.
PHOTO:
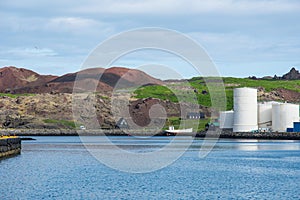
(9, 146)
(251, 135)
(118, 132)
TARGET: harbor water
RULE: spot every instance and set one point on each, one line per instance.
(60, 167)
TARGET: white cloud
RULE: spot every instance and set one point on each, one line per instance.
(14, 23)
(48, 25)
(30, 52)
(78, 26)
(187, 7)
(161, 7)
(235, 47)
(232, 31)
(71, 24)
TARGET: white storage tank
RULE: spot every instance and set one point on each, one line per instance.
(245, 110)
(226, 119)
(284, 115)
(265, 114)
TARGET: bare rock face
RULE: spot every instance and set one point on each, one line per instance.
(93, 111)
(279, 95)
(140, 110)
(34, 111)
(292, 75)
(12, 121)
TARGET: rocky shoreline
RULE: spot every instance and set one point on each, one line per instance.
(118, 132)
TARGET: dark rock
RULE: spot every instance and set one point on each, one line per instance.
(204, 92)
(292, 75)
(253, 77)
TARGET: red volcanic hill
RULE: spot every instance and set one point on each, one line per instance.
(12, 78)
(18, 80)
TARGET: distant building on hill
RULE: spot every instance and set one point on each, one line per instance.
(122, 123)
(195, 115)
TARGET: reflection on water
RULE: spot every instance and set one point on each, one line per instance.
(255, 145)
(61, 168)
(152, 144)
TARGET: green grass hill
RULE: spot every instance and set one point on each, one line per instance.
(199, 87)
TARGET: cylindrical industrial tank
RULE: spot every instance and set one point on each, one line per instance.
(284, 115)
(245, 110)
(265, 114)
(226, 119)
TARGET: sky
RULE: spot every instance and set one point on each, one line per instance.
(242, 37)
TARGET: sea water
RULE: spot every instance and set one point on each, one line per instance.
(62, 168)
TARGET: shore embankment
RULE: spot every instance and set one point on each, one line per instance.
(118, 132)
(251, 135)
(9, 146)
(61, 132)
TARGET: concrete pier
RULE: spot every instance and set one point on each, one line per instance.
(9, 146)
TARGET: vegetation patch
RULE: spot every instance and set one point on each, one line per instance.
(267, 84)
(156, 91)
(186, 123)
(200, 89)
(65, 123)
(15, 95)
(103, 97)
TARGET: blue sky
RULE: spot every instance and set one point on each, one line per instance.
(243, 37)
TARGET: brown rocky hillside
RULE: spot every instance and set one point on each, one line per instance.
(51, 98)
(20, 81)
(12, 78)
(40, 110)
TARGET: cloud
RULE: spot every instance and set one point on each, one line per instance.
(76, 25)
(241, 47)
(232, 31)
(165, 7)
(72, 24)
(31, 52)
(187, 7)
(14, 23)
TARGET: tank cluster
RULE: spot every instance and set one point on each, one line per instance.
(251, 116)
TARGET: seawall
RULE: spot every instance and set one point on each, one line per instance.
(9, 146)
(251, 135)
(61, 132)
(117, 132)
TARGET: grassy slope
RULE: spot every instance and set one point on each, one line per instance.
(14, 95)
(156, 91)
(268, 85)
(176, 122)
(198, 83)
(65, 123)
